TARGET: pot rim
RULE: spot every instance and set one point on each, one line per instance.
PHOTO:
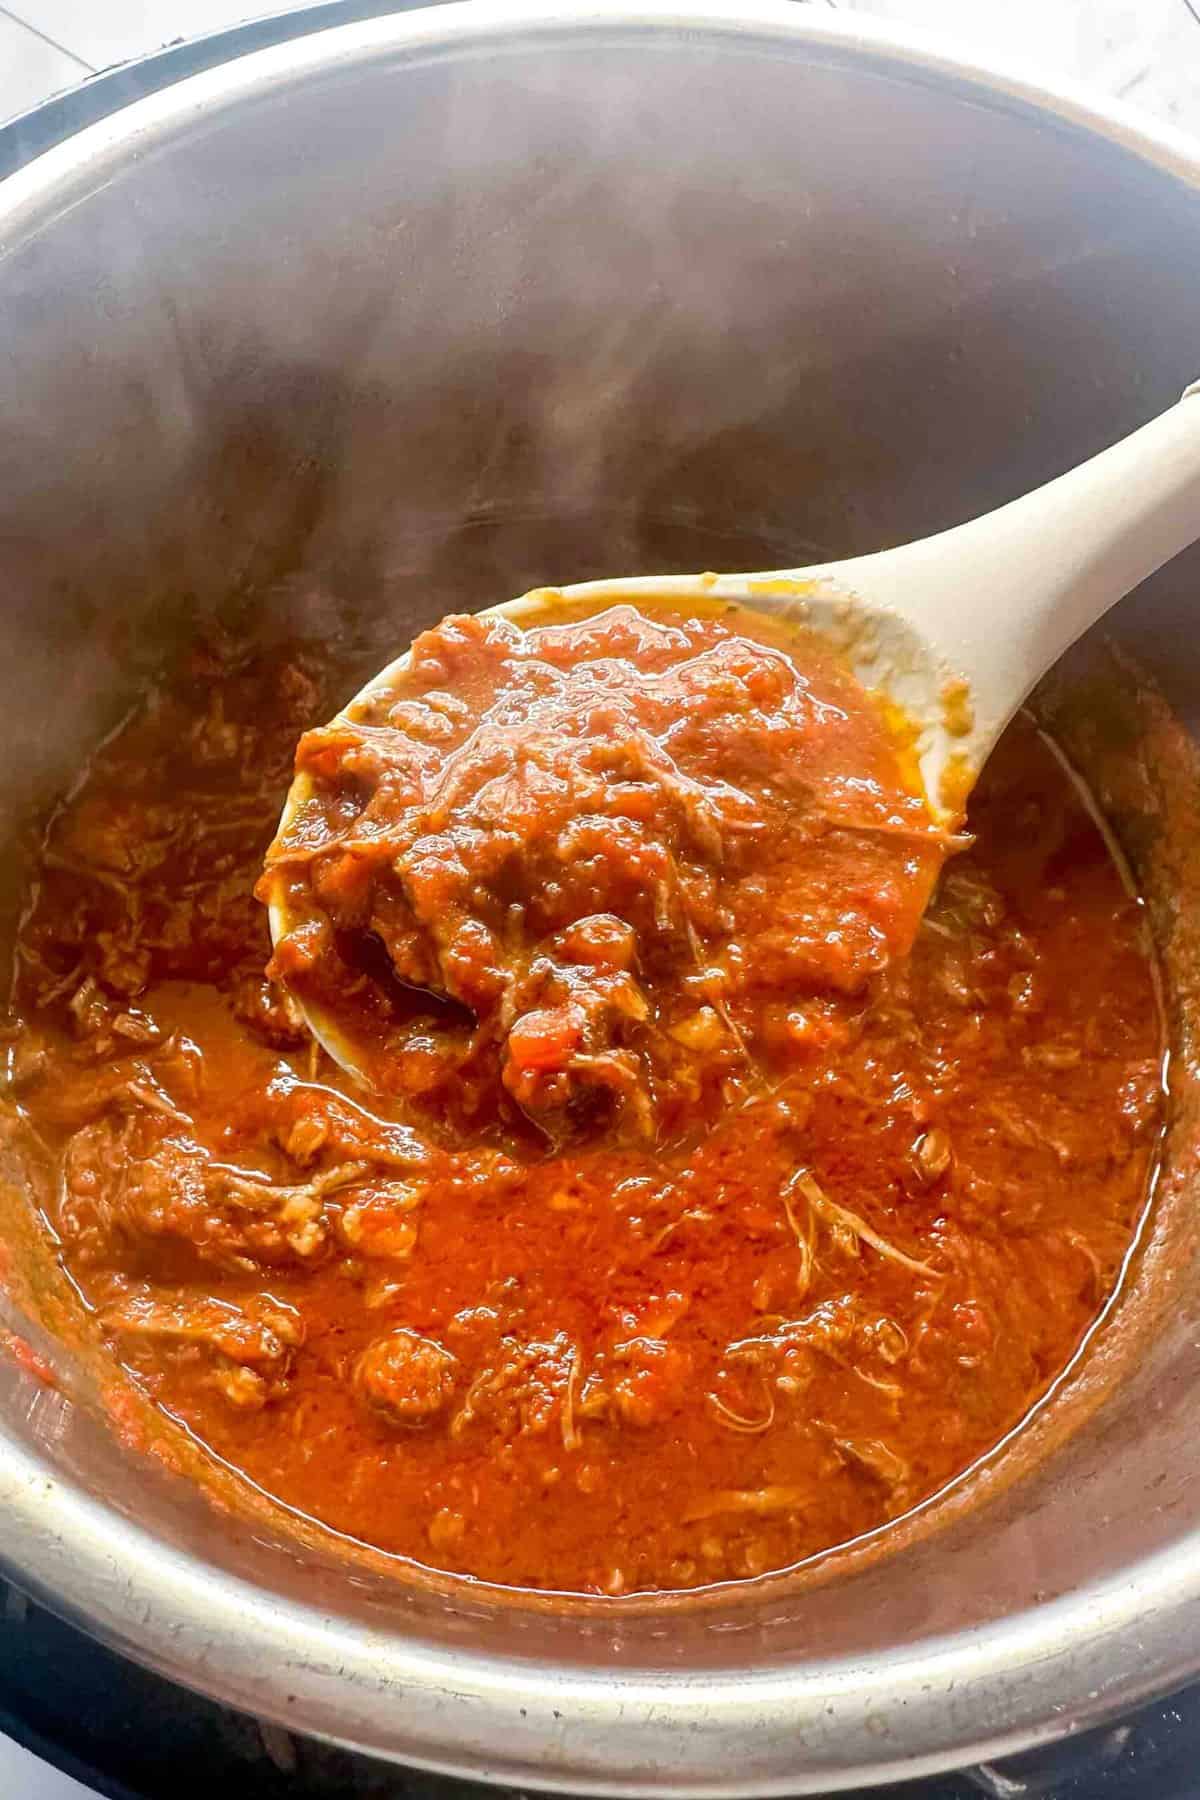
(967, 1697)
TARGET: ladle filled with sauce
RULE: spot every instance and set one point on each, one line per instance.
(596, 855)
(454, 769)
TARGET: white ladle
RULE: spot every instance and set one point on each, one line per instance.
(991, 604)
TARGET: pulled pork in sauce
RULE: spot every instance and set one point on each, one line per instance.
(697, 1228)
(607, 850)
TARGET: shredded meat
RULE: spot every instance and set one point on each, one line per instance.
(135, 1181)
(406, 1378)
(249, 1350)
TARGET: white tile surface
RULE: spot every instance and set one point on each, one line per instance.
(31, 70)
(1147, 52)
(104, 32)
(25, 1777)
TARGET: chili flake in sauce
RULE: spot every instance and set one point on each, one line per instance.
(826, 1225)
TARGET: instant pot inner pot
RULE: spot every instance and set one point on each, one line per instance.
(408, 335)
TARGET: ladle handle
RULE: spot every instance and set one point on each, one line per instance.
(1004, 595)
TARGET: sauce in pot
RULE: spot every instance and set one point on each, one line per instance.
(700, 1226)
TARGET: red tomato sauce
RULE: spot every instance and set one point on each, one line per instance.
(700, 1227)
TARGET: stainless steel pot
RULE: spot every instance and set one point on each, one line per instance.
(428, 308)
